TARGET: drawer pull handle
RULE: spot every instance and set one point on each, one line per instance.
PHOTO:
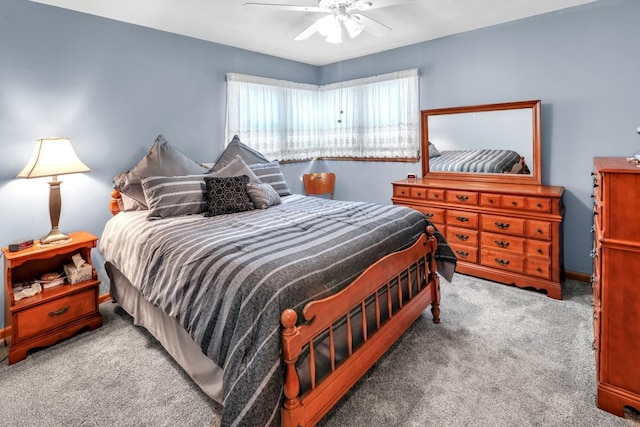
(463, 254)
(428, 215)
(435, 196)
(593, 279)
(539, 230)
(491, 201)
(59, 312)
(501, 243)
(539, 270)
(539, 205)
(502, 261)
(514, 203)
(462, 237)
(593, 228)
(501, 225)
(462, 219)
(462, 198)
(593, 253)
(539, 250)
(593, 345)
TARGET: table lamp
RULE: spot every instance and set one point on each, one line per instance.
(53, 157)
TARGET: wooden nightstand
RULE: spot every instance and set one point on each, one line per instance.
(55, 313)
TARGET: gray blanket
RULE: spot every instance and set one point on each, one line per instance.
(226, 279)
(485, 161)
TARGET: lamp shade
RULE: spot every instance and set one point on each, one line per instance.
(52, 157)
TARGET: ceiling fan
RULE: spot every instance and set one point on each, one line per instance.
(338, 14)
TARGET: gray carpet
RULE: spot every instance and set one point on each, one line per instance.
(502, 356)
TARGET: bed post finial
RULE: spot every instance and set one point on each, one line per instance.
(114, 204)
(291, 349)
(433, 273)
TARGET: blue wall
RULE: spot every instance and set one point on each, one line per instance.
(113, 87)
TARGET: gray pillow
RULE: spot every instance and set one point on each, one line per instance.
(162, 160)
(227, 195)
(169, 196)
(433, 151)
(236, 167)
(237, 148)
(271, 174)
(263, 195)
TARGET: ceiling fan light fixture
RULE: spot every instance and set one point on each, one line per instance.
(335, 36)
(327, 25)
(353, 26)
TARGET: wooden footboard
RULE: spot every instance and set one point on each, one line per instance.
(376, 287)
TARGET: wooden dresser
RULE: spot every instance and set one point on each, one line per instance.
(508, 233)
(616, 283)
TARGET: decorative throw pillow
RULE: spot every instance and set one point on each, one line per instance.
(162, 160)
(168, 196)
(227, 195)
(237, 148)
(236, 167)
(263, 195)
(433, 151)
(271, 174)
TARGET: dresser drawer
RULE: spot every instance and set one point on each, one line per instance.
(436, 195)
(462, 219)
(538, 268)
(401, 191)
(434, 215)
(465, 253)
(462, 236)
(539, 229)
(513, 202)
(538, 249)
(418, 193)
(500, 224)
(490, 200)
(462, 197)
(539, 204)
(43, 317)
(502, 259)
(501, 241)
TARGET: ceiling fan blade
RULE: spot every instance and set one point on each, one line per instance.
(311, 29)
(371, 25)
(379, 4)
(294, 7)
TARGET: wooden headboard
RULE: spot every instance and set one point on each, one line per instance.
(114, 204)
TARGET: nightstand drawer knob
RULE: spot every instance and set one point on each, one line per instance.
(60, 311)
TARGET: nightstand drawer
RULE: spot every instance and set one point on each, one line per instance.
(43, 317)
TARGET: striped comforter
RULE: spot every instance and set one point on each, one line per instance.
(226, 279)
(484, 161)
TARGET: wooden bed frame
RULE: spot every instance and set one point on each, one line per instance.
(415, 266)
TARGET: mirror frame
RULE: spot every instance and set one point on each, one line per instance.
(535, 167)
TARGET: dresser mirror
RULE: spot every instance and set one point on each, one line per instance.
(490, 143)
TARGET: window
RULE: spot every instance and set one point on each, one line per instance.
(372, 118)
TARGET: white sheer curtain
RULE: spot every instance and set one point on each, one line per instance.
(374, 117)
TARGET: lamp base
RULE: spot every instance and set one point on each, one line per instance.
(54, 235)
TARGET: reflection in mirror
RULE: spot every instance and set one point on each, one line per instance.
(493, 142)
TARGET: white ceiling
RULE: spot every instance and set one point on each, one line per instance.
(263, 30)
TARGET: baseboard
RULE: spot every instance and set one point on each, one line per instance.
(582, 277)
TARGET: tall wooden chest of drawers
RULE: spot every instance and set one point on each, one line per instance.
(616, 283)
(508, 233)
